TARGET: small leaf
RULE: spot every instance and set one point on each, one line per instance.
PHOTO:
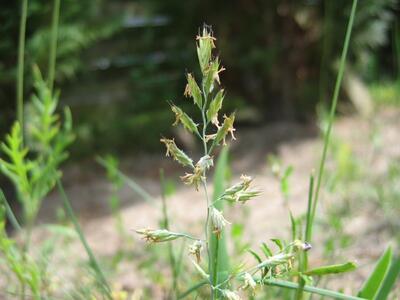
(255, 255)
(371, 286)
(332, 269)
(266, 250)
(279, 243)
(294, 226)
(390, 280)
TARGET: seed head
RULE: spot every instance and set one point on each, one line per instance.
(300, 245)
(176, 153)
(249, 282)
(205, 44)
(197, 176)
(227, 127)
(182, 117)
(195, 249)
(230, 295)
(158, 235)
(192, 90)
(218, 221)
(239, 192)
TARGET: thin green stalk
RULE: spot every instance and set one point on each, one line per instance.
(10, 213)
(93, 262)
(165, 221)
(53, 43)
(303, 264)
(310, 289)
(204, 184)
(333, 109)
(215, 273)
(192, 289)
(20, 67)
(286, 285)
(129, 182)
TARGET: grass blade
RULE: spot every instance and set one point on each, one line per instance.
(332, 269)
(93, 262)
(218, 248)
(53, 44)
(390, 280)
(192, 289)
(20, 71)
(310, 289)
(333, 106)
(10, 214)
(372, 285)
(128, 181)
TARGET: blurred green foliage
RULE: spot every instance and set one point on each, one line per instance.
(118, 62)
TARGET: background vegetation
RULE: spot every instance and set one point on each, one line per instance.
(282, 56)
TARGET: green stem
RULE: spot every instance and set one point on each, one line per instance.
(215, 270)
(20, 68)
(333, 108)
(93, 262)
(129, 182)
(172, 260)
(303, 264)
(204, 183)
(53, 44)
(310, 289)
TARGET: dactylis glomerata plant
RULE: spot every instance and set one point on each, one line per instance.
(212, 132)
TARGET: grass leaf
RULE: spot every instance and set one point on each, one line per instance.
(332, 269)
(371, 286)
(390, 280)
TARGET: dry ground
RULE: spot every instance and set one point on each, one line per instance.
(267, 216)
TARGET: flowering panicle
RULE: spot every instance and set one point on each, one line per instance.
(193, 90)
(224, 129)
(195, 249)
(176, 153)
(199, 169)
(183, 118)
(218, 221)
(158, 235)
(239, 192)
(230, 295)
(214, 108)
(248, 282)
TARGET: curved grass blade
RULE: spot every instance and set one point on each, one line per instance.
(128, 181)
(10, 214)
(310, 289)
(192, 289)
(390, 280)
(93, 262)
(218, 248)
(375, 280)
(332, 269)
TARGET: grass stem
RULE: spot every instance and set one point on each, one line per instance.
(335, 96)
(93, 262)
(53, 44)
(20, 67)
(10, 213)
(165, 221)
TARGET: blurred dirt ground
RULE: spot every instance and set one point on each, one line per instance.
(265, 217)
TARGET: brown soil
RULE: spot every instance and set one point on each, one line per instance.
(267, 216)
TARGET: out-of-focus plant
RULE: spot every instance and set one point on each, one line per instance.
(111, 165)
(34, 170)
(282, 174)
